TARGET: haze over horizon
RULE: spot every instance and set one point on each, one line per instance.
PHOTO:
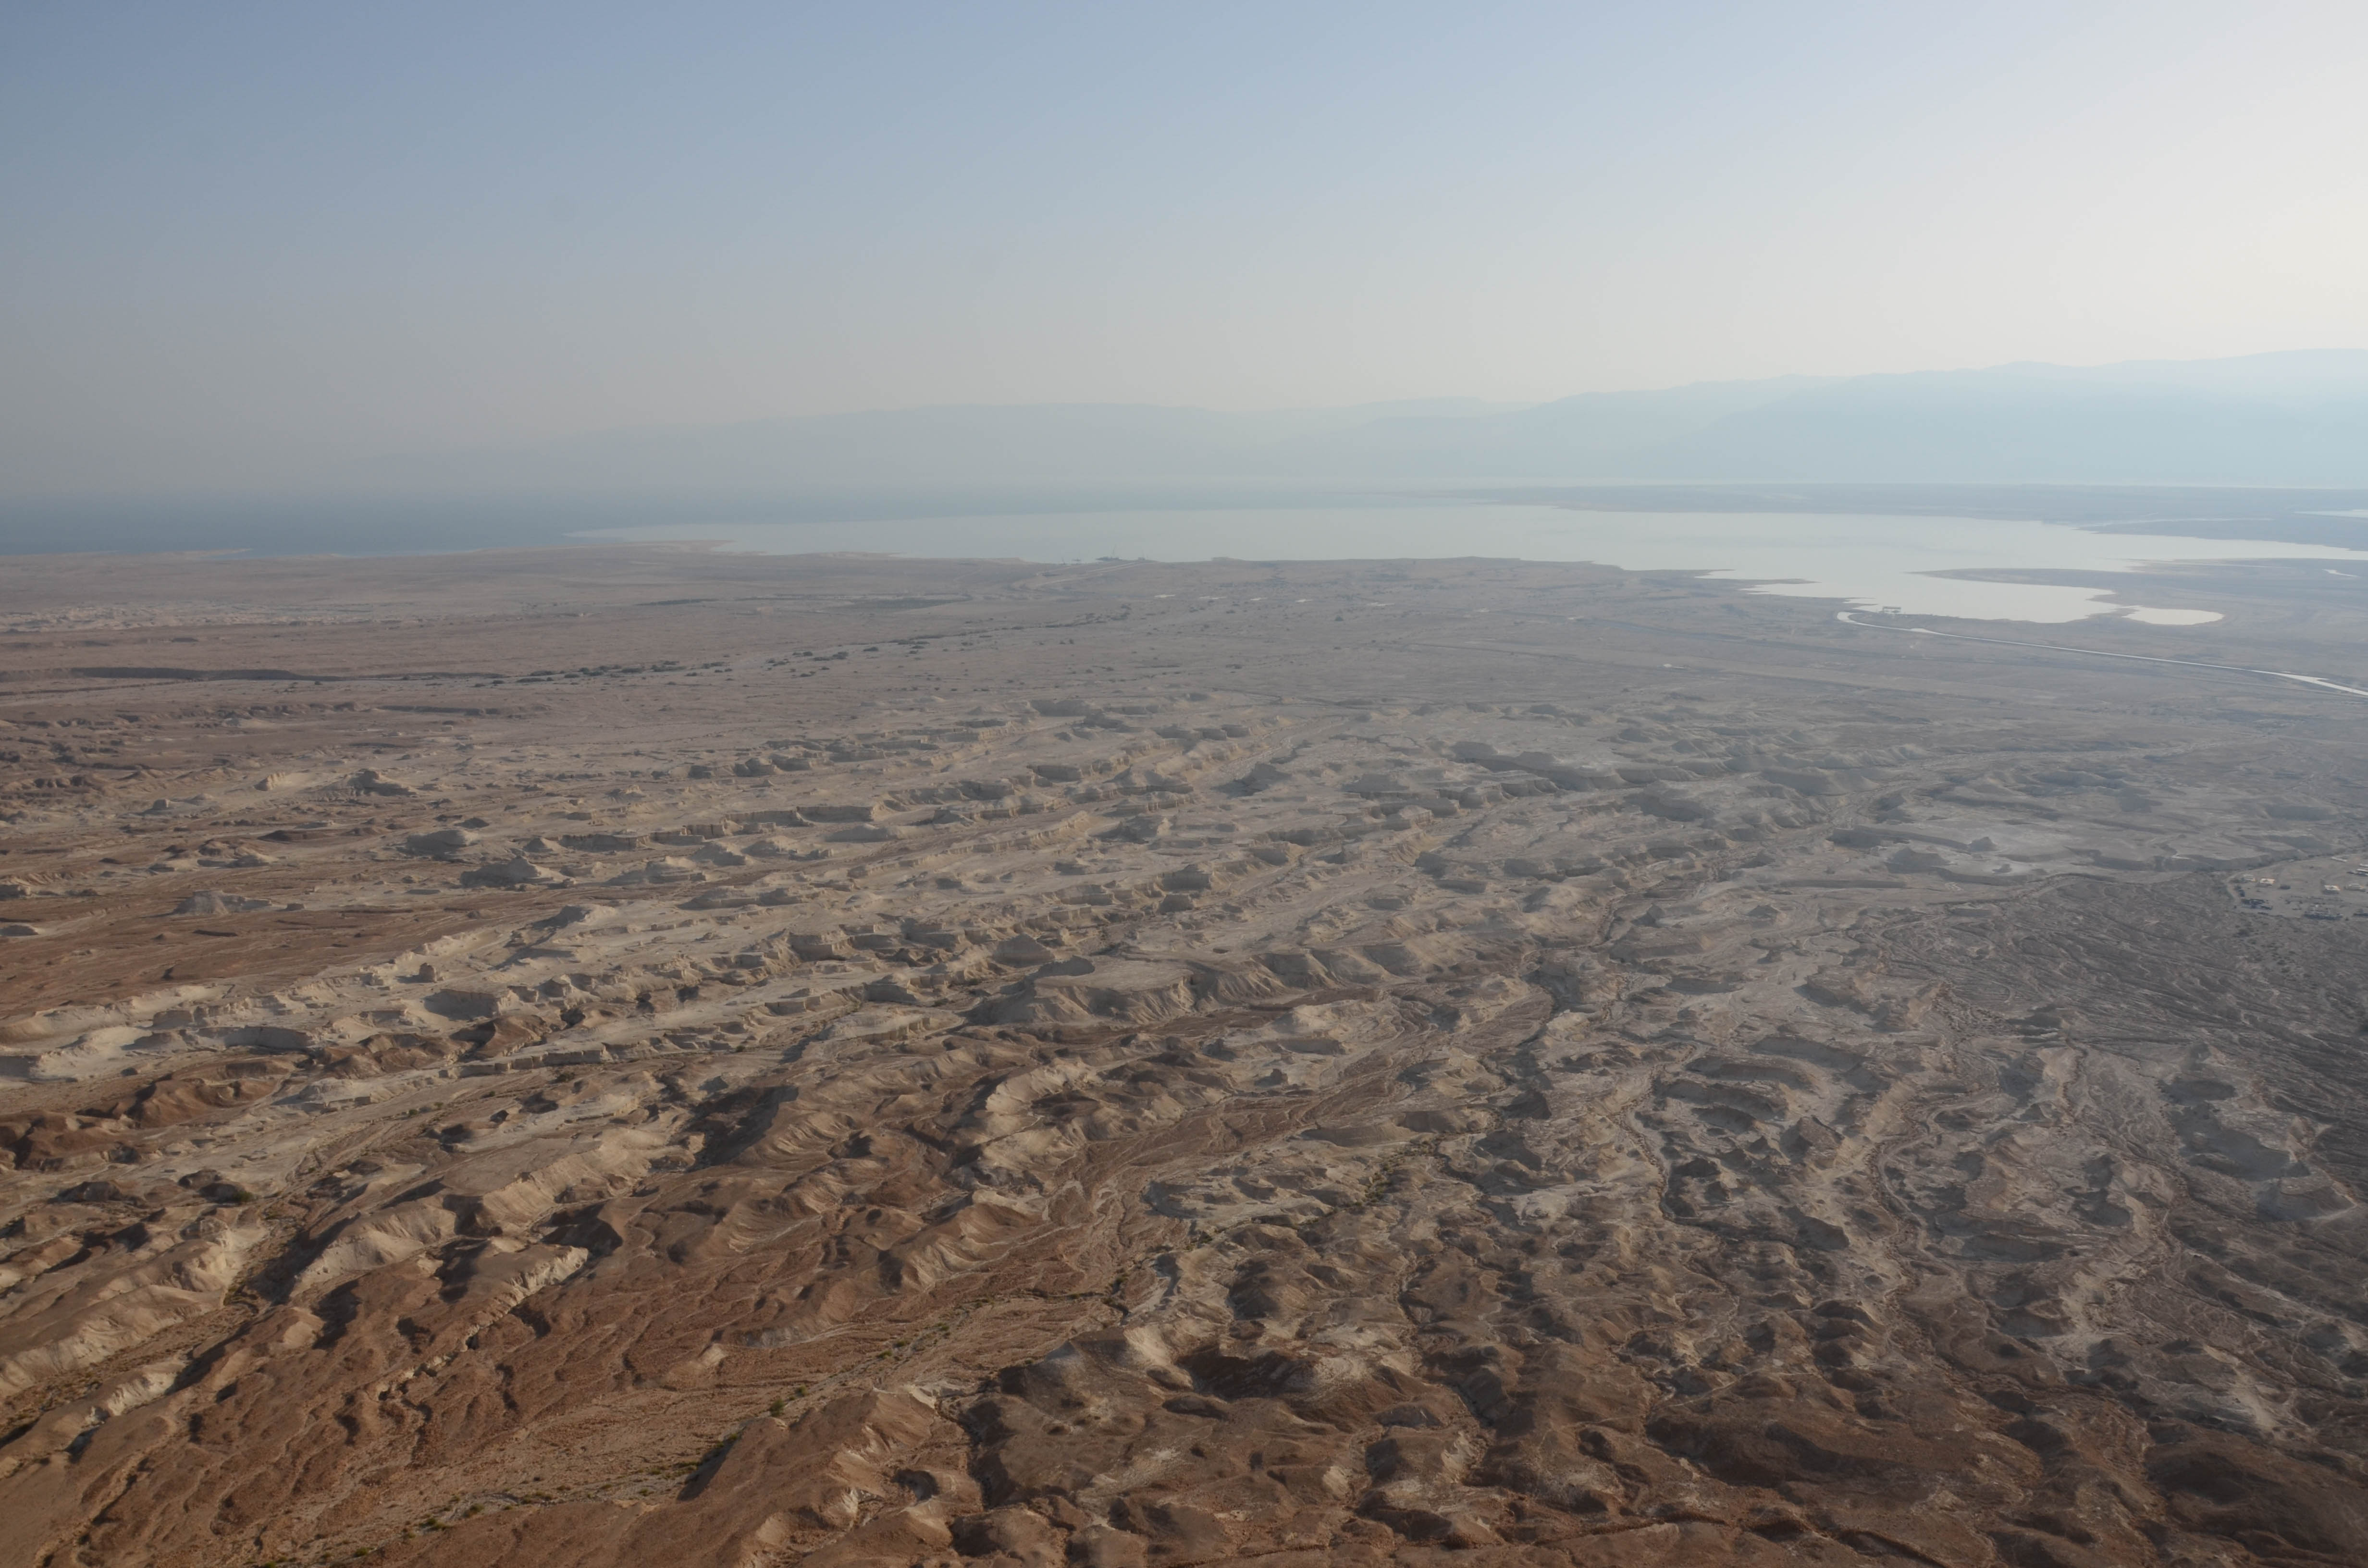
(270, 249)
(894, 784)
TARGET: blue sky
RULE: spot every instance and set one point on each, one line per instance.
(242, 245)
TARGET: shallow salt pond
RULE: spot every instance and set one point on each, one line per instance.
(1870, 561)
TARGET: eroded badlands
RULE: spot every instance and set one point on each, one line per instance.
(646, 1057)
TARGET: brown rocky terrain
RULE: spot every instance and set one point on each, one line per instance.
(637, 1056)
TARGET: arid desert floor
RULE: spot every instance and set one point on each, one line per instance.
(641, 1056)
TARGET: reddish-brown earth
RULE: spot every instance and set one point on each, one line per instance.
(631, 1057)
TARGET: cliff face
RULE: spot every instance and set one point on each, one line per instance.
(1379, 1088)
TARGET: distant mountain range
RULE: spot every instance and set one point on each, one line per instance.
(2292, 418)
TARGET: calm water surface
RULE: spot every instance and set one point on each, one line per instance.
(1870, 561)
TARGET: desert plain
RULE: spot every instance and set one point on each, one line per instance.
(647, 1056)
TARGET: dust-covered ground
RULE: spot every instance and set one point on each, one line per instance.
(639, 1056)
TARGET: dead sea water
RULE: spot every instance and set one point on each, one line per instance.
(1909, 563)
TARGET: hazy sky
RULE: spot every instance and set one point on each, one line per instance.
(244, 244)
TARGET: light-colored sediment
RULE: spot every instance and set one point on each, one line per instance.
(1160, 1064)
